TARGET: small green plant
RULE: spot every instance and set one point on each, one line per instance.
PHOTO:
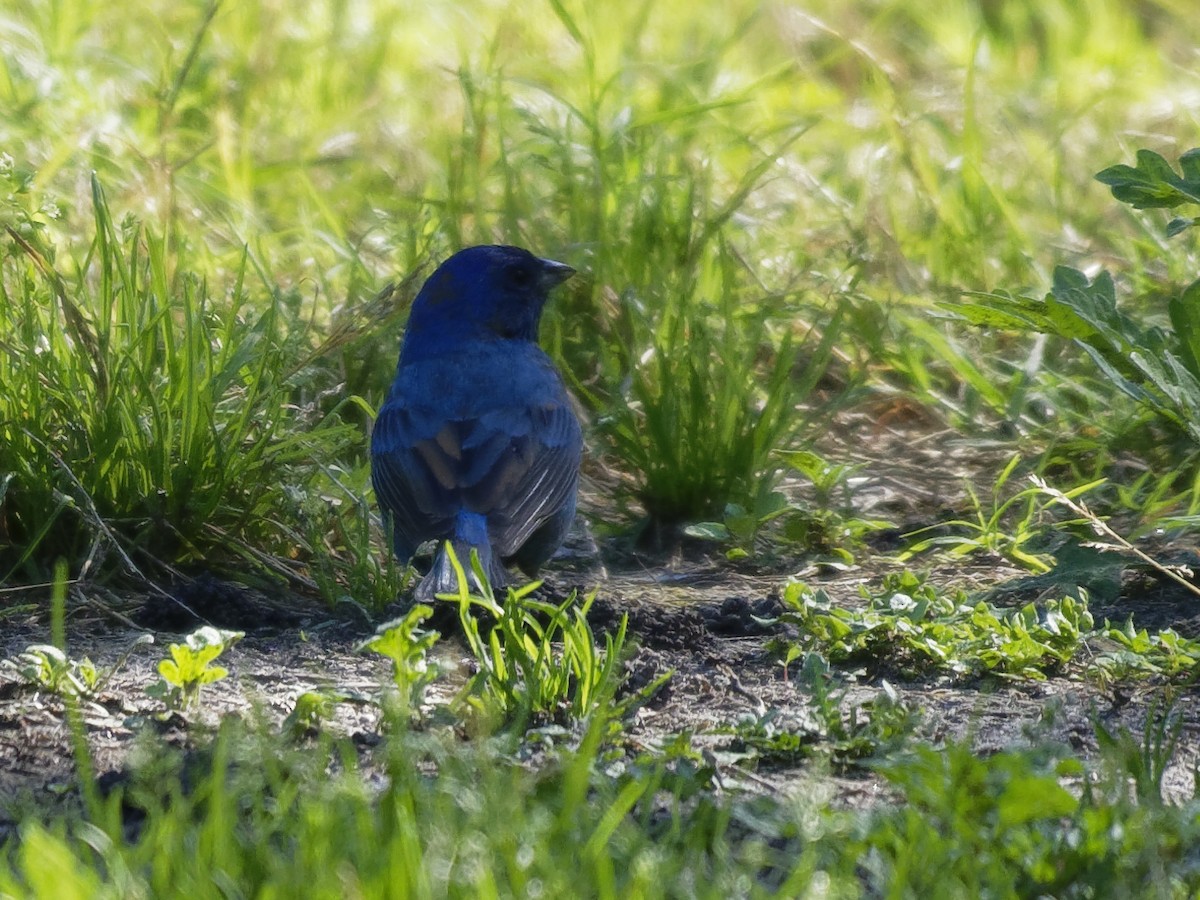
(848, 735)
(313, 708)
(740, 526)
(701, 414)
(1139, 653)
(825, 526)
(1157, 368)
(861, 731)
(829, 524)
(1143, 760)
(407, 646)
(911, 625)
(539, 660)
(190, 666)
(46, 667)
(994, 528)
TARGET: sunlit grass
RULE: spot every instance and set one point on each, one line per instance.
(438, 817)
(772, 207)
(784, 162)
(147, 422)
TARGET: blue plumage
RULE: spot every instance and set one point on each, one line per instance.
(477, 442)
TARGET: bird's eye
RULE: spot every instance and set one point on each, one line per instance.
(521, 277)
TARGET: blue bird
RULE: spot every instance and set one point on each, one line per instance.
(477, 443)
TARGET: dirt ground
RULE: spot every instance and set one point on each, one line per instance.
(691, 614)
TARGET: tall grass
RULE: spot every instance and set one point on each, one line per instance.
(251, 816)
(141, 416)
(734, 182)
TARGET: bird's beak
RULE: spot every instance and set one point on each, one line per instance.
(554, 273)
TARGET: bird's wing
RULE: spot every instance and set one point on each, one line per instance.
(524, 469)
(516, 466)
(414, 485)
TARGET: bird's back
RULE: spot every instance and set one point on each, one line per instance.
(489, 429)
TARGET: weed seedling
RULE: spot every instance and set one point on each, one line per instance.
(1141, 653)
(407, 646)
(313, 708)
(987, 531)
(828, 525)
(46, 667)
(846, 734)
(190, 667)
(539, 660)
(912, 625)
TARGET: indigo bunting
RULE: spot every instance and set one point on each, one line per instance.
(477, 443)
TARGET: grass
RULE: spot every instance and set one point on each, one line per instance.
(978, 826)
(744, 224)
(146, 424)
(910, 625)
(427, 813)
(777, 213)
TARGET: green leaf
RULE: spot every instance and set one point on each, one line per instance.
(1137, 392)
(1180, 224)
(1190, 164)
(1185, 319)
(215, 673)
(1081, 309)
(707, 531)
(1000, 309)
(170, 673)
(1153, 184)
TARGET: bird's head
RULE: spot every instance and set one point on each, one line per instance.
(483, 293)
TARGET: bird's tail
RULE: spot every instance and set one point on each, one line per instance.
(470, 533)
